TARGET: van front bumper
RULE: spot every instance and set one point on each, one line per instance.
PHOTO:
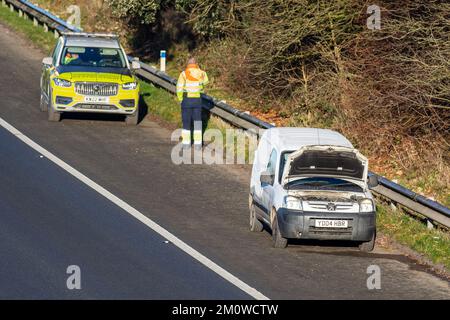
(295, 224)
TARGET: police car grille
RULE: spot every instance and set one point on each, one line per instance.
(96, 89)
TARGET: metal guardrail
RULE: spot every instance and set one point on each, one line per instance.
(217, 107)
(431, 210)
(49, 20)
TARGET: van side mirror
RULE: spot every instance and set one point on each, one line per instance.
(267, 178)
(373, 181)
(47, 61)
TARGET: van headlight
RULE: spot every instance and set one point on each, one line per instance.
(129, 86)
(366, 205)
(62, 83)
(292, 203)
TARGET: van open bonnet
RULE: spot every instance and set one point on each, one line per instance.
(326, 161)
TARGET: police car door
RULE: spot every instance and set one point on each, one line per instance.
(47, 70)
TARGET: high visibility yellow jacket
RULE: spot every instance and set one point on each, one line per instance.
(191, 82)
(69, 58)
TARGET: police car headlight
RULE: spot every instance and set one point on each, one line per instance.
(62, 83)
(366, 205)
(129, 86)
(292, 203)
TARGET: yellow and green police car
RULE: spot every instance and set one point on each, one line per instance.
(89, 72)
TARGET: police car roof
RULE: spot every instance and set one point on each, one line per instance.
(92, 41)
(291, 138)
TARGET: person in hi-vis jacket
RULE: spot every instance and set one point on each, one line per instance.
(189, 90)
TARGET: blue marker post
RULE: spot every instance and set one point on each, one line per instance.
(163, 61)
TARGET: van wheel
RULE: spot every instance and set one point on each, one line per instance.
(369, 245)
(255, 224)
(53, 115)
(277, 240)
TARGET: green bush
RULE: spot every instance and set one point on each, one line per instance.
(141, 11)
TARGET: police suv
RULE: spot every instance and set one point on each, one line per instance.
(89, 72)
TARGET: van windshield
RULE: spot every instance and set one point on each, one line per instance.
(323, 183)
(92, 57)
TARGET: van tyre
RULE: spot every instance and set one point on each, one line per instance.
(369, 245)
(133, 119)
(255, 224)
(277, 239)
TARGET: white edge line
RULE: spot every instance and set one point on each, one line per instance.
(138, 215)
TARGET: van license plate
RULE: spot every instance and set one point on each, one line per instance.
(331, 223)
(96, 99)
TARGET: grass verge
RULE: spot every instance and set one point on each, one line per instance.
(408, 230)
(161, 103)
(43, 40)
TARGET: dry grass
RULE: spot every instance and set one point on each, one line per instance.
(95, 14)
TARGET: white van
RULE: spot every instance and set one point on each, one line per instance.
(311, 184)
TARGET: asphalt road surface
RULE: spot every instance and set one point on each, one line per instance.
(50, 220)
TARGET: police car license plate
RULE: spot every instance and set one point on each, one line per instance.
(96, 99)
(321, 223)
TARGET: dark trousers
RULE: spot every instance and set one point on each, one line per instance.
(191, 113)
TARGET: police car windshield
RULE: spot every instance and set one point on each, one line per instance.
(93, 57)
(323, 183)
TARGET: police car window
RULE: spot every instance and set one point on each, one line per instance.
(56, 52)
(93, 57)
